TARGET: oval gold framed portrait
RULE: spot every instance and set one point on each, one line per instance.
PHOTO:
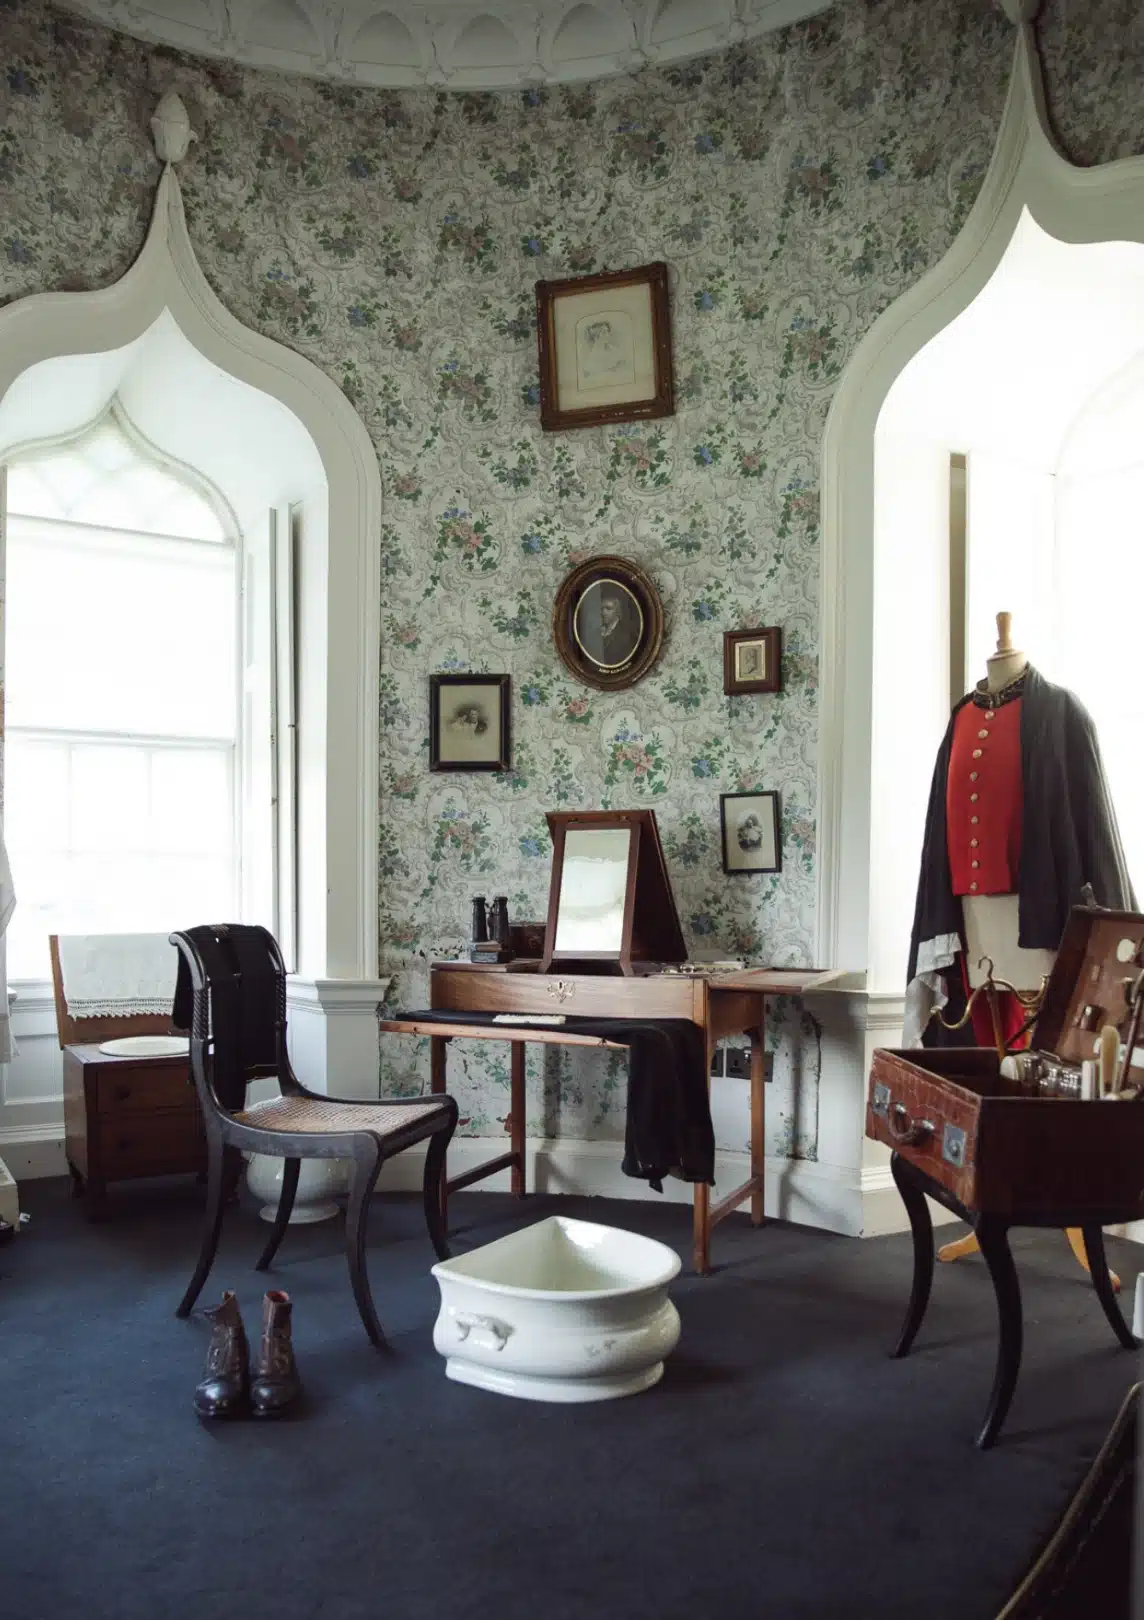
(607, 623)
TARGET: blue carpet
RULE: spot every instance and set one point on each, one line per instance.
(785, 1467)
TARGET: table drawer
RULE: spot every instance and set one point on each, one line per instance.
(586, 995)
(153, 1144)
(132, 1090)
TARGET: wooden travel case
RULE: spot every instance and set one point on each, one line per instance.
(1000, 1147)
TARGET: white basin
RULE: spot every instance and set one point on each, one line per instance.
(147, 1046)
(562, 1311)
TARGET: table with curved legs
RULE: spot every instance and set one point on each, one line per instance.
(992, 1232)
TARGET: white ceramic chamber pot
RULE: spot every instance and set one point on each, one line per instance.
(319, 1180)
(564, 1310)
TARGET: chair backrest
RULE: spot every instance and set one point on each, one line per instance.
(79, 1031)
(231, 996)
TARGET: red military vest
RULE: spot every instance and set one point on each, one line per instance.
(983, 799)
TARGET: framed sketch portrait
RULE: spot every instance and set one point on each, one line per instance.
(605, 348)
(752, 661)
(469, 722)
(607, 623)
(752, 841)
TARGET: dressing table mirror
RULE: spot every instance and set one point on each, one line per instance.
(610, 905)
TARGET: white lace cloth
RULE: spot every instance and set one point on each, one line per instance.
(117, 975)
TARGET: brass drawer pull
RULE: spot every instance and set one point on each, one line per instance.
(905, 1130)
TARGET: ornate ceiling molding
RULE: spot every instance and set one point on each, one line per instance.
(467, 45)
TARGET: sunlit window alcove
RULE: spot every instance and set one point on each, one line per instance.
(1038, 389)
(191, 650)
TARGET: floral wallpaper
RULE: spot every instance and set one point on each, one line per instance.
(795, 187)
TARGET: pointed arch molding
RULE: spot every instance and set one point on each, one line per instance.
(1078, 205)
(342, 944)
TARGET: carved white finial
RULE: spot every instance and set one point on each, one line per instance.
(1021, 11)
(171, 129)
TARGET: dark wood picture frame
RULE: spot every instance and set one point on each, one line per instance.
(554, 417)
(771, 680)
(645, 615)
(772, 824)
(500, 748)
(651, 928)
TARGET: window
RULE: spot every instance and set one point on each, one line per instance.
(122, 658)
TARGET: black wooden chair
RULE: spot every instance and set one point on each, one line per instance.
(231, 995)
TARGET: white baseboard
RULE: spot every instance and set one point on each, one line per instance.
(33, 1151)
(828, 1197)
(832, 1198)
(882, 1208)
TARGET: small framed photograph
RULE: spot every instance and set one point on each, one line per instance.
(605, 348)
(607, 623)
(752, 661)
(752, 841)
(470, 722)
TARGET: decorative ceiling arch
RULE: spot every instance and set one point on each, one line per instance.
(1078, 205)
(472, 45)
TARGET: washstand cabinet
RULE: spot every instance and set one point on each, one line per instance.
(126, 1118)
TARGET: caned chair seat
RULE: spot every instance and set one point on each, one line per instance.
(308, 1114)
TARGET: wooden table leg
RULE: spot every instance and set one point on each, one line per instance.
(1078, 1246)
(921, 1225)
(960, 1246)
(516, 1118)
(438, 1059)
(968, 1245)
(993, 1236)
(1102, 1283)
(701, 1229)
(758, 1116)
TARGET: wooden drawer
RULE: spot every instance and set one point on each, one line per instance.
(153, 1144)
(586, 995)
(133, 1089)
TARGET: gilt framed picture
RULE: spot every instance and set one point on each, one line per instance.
(607, 623)
(752, 841)
(605, 348)
(752, 661)
(470, 726)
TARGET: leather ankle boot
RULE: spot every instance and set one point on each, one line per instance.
(275, 1384)
(225, 1386)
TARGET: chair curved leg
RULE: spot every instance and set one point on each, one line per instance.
(1102, 1283)
(290, 1169)
(435, 1216)
(221, 1174)
(993, 1235)
(921, 1225)
(367, 1164)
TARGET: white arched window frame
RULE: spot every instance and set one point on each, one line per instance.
(334, 994)
(150, 686)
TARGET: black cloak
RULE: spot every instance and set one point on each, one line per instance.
(1069, 838)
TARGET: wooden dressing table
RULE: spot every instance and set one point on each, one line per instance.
(721, 1004)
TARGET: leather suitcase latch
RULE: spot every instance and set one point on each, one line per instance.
(953, 1146)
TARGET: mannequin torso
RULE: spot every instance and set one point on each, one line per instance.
(1002, 668)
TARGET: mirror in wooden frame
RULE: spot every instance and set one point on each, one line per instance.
(610, 905)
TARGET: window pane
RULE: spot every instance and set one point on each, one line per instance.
(114, 840)
(101, 478)
(137, 637)
(191, 802)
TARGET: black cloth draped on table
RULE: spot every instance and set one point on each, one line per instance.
(669, 1126)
